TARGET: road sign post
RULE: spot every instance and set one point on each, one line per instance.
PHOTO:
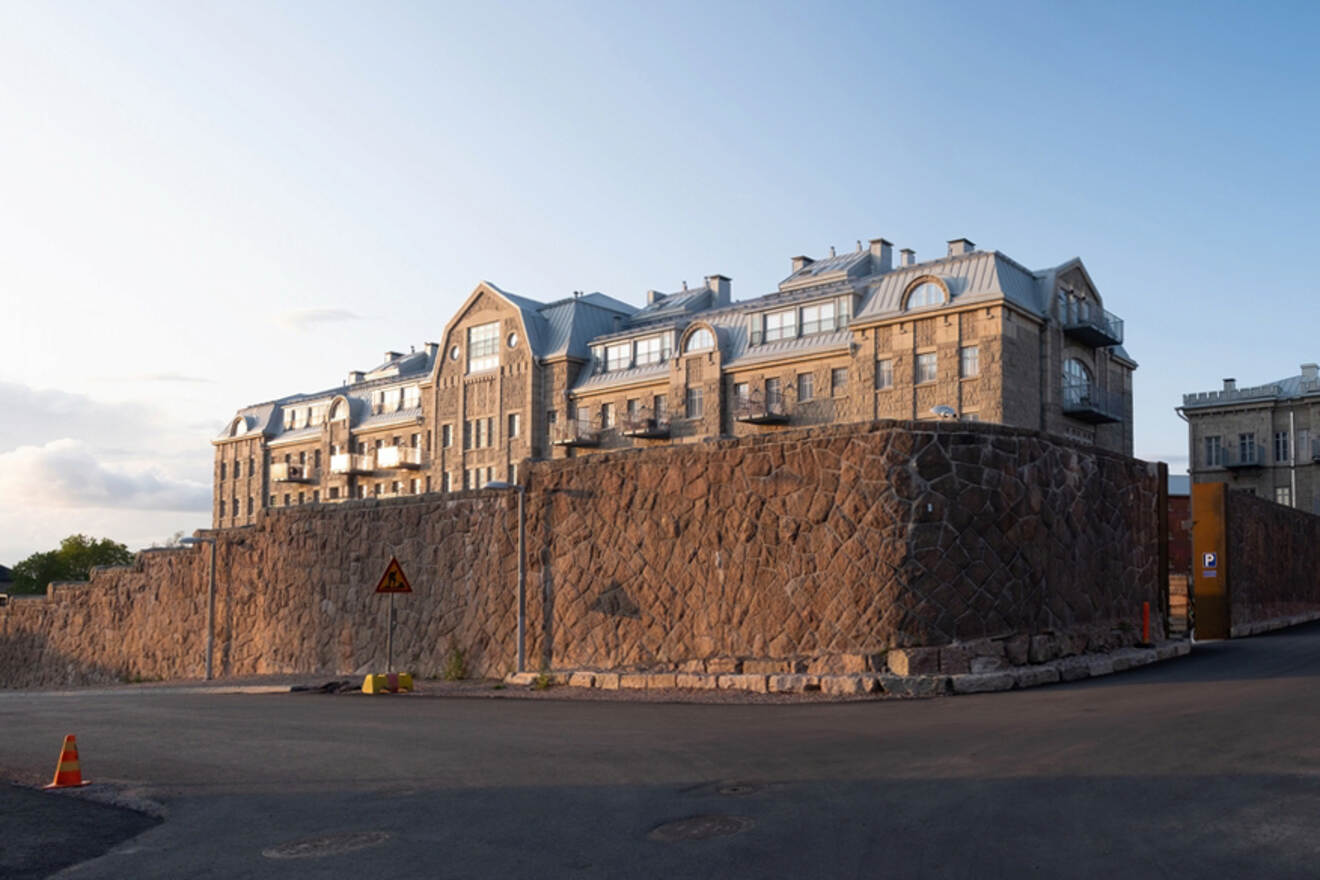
(391, 582)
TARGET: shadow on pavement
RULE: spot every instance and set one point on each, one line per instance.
(43, 832)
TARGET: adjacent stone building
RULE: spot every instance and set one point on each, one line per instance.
(846, 338)
(1263, 439)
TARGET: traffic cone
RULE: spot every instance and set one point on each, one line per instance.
(68, 773)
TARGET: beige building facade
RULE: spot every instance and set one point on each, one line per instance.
(845, 338)
(1264, 439)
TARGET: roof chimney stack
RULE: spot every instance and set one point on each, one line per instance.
(800, 263)
(392, 356)
(960, 246)
(355, 377)
(1310, 372)
(882, 255)
(907, 257)
(1230, 384)
(653, 296)
(432, 349)
(720, 285)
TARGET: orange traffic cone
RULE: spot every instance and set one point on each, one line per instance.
(68, 773)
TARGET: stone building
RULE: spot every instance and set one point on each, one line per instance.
(1264, 439)
(846, 338)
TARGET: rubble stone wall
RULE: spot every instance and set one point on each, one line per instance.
(1273, 554)
(819, 549)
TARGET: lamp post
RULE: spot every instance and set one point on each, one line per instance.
(522, 568)
(210, 601)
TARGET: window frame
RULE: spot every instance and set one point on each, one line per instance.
(483, 347)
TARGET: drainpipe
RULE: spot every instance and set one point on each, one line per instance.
(1292, 464)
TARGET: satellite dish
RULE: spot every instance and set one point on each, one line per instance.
(944, 411)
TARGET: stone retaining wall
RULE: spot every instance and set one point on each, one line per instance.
(1273, 564)
(949, 548)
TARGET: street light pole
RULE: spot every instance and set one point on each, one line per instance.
(210, 602)
(522, 569)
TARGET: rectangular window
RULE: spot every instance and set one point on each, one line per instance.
(412, 397)
(606, 416)
(375, 489)
(362, 491)
(334, 493)
(394, 487)
(301, 497)
(1303, 443)
(513, 473)
(632, 405)
(483, 347)
(467, 433)
(515, 424)
(272, 501)
(971, 417)
(251, 504)
(818, 318)
(490, 430)
(286, 499)
(838, 381)
(316, 496)
(1214, 452)
(781, 325)
(1281, 447)
(693, 409)
(446, 436)
(618, 356)
(884, 374)
(222, 508)
(650, 351)
(970, 365)
(252, 466)
(805, 387)
(740, 393)
(774, 392)
(926, 368)
(1283, 495)
(661, 406)
(444, 482)
(1247, 448)
(414, 440)
(222, 471)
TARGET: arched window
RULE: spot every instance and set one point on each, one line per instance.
(338, 410)
(700, 340)
(238, 428)
(1076, 382)
(927, 293)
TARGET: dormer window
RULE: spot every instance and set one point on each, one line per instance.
(652, 350)
(927, 293)
(780, 325)
(700, 340)
(819, 318)
(484, 347)
(618, 356)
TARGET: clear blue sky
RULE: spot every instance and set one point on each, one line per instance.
(207, 205)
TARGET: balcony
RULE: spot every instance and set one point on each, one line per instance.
(391, 457)
(1091, 325)
(574, 432)
(757, 409)
(645, 426)
(1249, 455)
(1086, 403)
(352, 463)
(285, 472)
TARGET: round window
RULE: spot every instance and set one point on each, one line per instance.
(513, 340)
(453, 353)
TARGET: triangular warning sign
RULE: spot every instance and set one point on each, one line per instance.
(394, 580)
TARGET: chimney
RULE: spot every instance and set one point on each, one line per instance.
(800, 263)
(720, 285)
(1230, 384)
(392, 356)
(653, 296)
(960, 246)
(882, 255)
(355, 377)
(907, 257)
(1310, 372)
(432, 349)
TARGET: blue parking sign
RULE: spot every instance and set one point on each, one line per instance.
(1210, 560)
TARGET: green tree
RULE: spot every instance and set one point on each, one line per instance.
(72, 561)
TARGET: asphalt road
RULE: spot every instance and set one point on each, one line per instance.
(1199, 767)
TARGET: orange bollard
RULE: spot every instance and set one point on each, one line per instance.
(68, 772)
(1145, 623)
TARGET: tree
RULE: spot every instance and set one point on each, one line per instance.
(72, 561)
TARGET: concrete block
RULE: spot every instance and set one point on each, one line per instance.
(793, 684)
(521, 679)
(755, 683)
(634, 681)
(914, 661)
(724, 666)
(981, 665)
(582, 680)
(1034, 676)
(1072, 668)
(848, 685)
(696, 681)
(913, 685)
(660, 680)
(607, 681)
(1099, 665)
(766, 667)
(973, 683)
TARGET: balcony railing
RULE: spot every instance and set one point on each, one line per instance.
(1250, 455)
(352, 463)
(574, 432)
(1091, 324)
(398, 457)
(643, 424)
(1087, 403)
(287, 472)
(759, 409)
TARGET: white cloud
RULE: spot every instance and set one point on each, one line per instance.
(307, 319)
(66, 473)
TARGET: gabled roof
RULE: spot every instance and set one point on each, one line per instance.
(566, 326)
